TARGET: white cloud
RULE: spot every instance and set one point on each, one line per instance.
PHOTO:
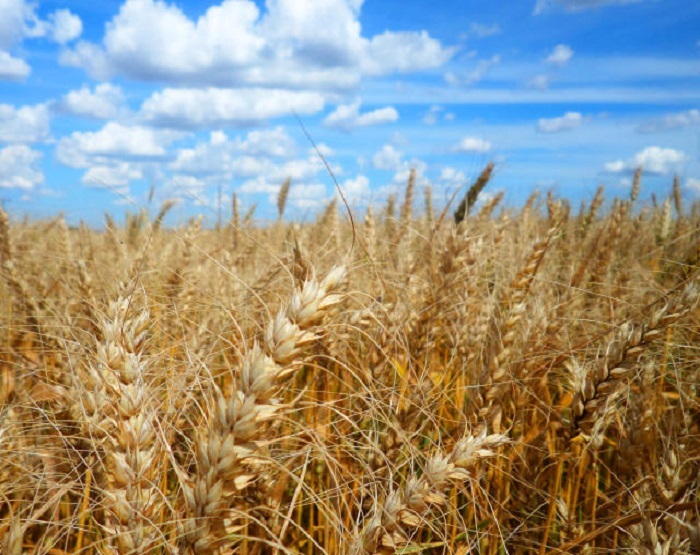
(356, 190)
(262, 158)
(215, 107)
(387, 158)
(482, 30)
(347, 117)
(18, 21)
(618, 166)
(452, 176)
(561, 55)
(65, 26)
(472, 144)
(323, 148)
(106, 101)
(307, 195)
(90, 57)
(570, 120)
(296, 43)
(693, 185)
(117, 154)
(539, 82)
(12, 68)
(474, 76)
(114, 142)
(403, 52)
(402, 175)
(579, 5)
(269, 142)
(151, 40)
(240, 157)
(301, 194)
(671, 121)
(653, 159)
(28, 124)
(118, 176)
(18, 167)
(12, 22)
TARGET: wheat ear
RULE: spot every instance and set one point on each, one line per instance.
(227, 449)
(406, 510)
(595, 384)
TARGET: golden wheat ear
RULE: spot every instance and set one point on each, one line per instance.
(227, 450)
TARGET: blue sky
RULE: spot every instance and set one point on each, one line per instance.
(103, 102)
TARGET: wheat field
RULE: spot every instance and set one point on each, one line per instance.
(436, 380)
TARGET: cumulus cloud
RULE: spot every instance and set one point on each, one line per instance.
(472, 144)
(117, 176)
(12, 68)
(570, 120)
(64, 26)
(403, 52)
(19, 21)
(671, 121)
(578, 5)
(356, 190)
(233, 44)
(13, 15)
(261, 159)
(387, 158)
(347, 117)
(560, 55)
(105, 101)
(28, 124)
(18, 167)
(301, 194)
(475, 75)
(114, 143)
(216, 107)
(451, 176)
(239, 157)
(653, 159)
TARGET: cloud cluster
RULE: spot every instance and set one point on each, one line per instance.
(387, 158)
(671, 121)
(472, 144)
(116, 154)
(347, 117)
(233, 44)
(191, 108)
(105, 101)
(653, 159)
(19, 21)
(28, 124)
(560, 55)
(19, 164)
(570, 120)
(18, 167)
